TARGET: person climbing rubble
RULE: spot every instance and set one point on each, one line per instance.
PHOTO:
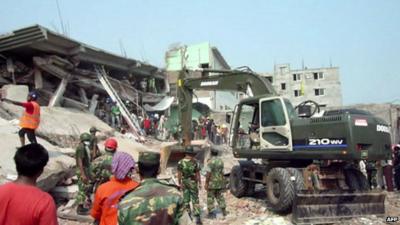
(115, 116)
(107, 196)
(84, 174)
(30, 119)
(102, 165)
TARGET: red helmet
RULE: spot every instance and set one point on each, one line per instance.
(111, 144)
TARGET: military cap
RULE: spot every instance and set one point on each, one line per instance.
(149, 157)
(93, 129)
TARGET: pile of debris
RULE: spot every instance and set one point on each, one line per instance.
(63, 71)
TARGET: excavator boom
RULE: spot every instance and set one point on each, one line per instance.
(246, 82)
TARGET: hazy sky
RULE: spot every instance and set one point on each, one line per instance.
(360, 37)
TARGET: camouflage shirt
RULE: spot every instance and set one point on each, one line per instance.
(188, 168)
(83, 152)
(93, 145)
(153, 202)
(102, 167)
(215, 168)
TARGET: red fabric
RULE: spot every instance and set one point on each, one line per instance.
(147, 124)
(107, 197)
(28, 107)
(26, 205)
(203, 131)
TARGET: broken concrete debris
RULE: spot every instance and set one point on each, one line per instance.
(72, 97)
(59, 165)
(63, 71)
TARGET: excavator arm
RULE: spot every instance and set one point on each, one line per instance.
(221, 80)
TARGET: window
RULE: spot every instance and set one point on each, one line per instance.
(272, 113)
(297, 93)
(283, 86)
(318, 76)
(319, 91)
(296, 76)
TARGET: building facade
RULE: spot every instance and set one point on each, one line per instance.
(201, 55)
(321, 85)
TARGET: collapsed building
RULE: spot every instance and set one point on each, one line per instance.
(62, 71)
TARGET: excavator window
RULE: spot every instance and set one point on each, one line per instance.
(248, 115)
(272, 113)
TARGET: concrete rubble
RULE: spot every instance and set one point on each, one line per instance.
(59, 165)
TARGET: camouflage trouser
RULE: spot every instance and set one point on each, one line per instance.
(84, 191)
(218, 195)
(191, 195)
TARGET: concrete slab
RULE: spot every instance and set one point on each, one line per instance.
(62, 126)
(57, 168)
(15, 92)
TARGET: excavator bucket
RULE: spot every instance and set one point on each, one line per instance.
(173, 152)
(328, 207)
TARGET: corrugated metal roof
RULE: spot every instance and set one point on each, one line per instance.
(42, 39)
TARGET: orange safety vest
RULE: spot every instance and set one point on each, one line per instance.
(31, 121)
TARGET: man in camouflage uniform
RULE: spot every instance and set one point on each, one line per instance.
(84, 174)
(215, 183)
(102, 164)
(154, 201)
(95, 151)
(189, 181)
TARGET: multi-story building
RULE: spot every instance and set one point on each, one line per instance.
(321, 85)
(201, 55)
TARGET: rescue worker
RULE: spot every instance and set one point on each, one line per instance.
(95, 151)
(102, 165)
(30, 119)
(115, 116)
(107, 196)
(153, 202)
(84, 174)
(190, 182)
(215, 183)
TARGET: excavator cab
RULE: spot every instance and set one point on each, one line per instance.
(268, 120)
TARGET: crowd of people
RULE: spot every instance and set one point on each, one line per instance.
(119, 196)
(205, 127)
(383, 174)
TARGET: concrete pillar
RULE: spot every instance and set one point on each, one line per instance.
(58, 94)
(82, 94)
(38, 79)
(93, 103)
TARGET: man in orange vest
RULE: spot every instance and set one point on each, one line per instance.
(30, 119)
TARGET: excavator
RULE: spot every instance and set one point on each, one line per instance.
(309, 164)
